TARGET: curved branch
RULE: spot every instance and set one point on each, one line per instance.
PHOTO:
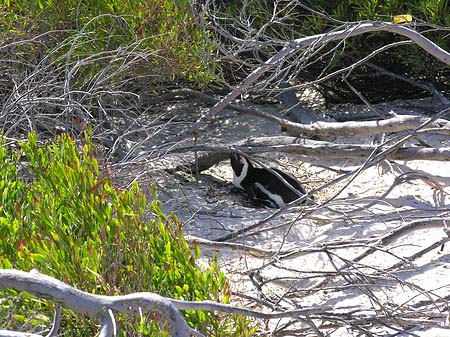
(81, 302)
(301, 44)
(93, 305)
(362, 28)
(305, 147)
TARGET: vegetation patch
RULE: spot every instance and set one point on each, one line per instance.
(61, 215)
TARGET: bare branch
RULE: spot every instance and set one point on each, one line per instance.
(108, 327)
(302, 44)
(94, 305)
(56, 322)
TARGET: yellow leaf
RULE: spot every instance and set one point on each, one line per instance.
(402, 18)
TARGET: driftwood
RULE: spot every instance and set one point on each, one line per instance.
(348, 129)
(316, 129)
(302, 44)
(103, 307)
(306, 147)
(93, 305)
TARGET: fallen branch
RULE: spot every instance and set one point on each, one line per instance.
(389, 238)
(326, 129)
(102, 306)
(349, 129)
(305, 147)
(303, 44)
(94, 305)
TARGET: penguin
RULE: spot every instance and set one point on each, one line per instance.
(262, 186)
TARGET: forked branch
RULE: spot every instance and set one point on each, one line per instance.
(103, 307)
(303, 44)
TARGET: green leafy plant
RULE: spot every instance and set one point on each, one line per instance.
(61, 215)
(165, 27)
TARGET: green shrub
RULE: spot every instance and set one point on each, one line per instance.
(165, 27)
(61, 215)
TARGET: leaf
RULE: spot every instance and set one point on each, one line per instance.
(38, 258)
(402, 18)
(20, 245)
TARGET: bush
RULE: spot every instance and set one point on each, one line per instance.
(61, 215)
(165, 27)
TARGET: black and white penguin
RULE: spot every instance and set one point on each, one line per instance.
(262, 186)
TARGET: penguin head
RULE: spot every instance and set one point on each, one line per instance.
(238, 162)
(241, 167)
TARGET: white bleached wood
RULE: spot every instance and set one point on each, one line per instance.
(47, 287)
(93, 305)
(303, 43)
(108, 328)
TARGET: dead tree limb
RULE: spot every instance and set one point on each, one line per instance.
(94, 305)
(101, 306)
(305, 147)
(303, 44)
(326, 129)
(389, 238)
(348, 129)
